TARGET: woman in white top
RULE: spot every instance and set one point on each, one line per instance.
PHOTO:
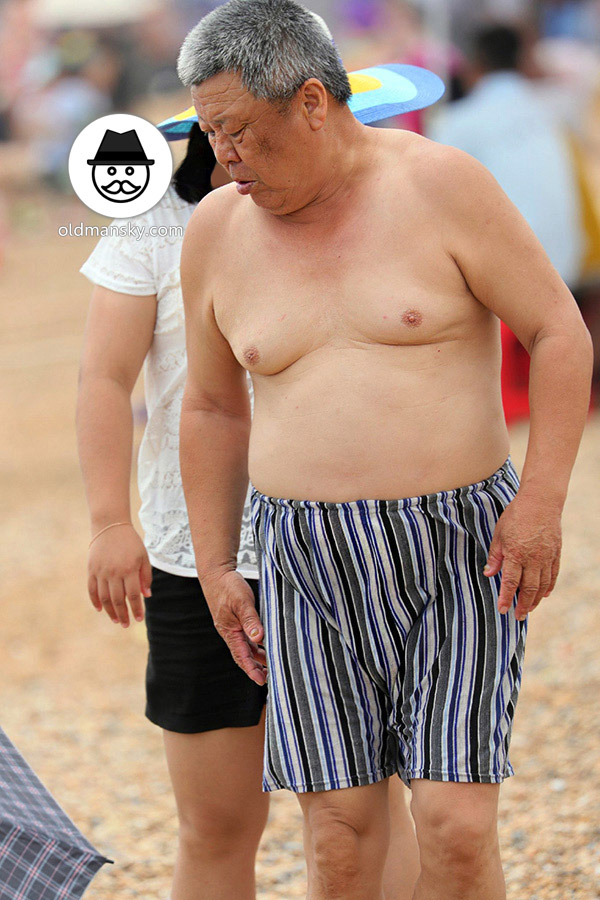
(210, 711)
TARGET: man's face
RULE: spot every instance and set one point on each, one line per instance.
(260, 146)
(121, 183)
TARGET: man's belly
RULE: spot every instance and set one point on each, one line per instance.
(335, 432)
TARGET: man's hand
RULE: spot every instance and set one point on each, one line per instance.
(119, 570)
(526, 546)
(231, 603)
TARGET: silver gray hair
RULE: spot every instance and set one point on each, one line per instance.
(274, 45)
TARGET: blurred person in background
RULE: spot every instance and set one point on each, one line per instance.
(19, 40)
(150, 45)
(209, 710)
(82, 73)
(504, 125)
(410, 41)
(574, 19)
(395, 31)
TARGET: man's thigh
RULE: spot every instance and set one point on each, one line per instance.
(356, 806)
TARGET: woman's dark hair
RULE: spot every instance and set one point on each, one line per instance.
(192, 177)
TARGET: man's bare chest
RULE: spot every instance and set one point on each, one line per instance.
(278, 301)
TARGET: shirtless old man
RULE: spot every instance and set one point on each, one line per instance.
(360, 275)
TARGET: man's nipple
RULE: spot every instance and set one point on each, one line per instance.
(252, 356)
(412, 318)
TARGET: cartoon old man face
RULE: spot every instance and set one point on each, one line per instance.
(121, 169)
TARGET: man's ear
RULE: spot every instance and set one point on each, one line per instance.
(314, 103)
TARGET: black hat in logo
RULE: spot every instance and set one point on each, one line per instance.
(120, 149)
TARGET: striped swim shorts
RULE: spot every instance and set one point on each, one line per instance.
(386, 651)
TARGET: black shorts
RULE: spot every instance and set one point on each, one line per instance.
(192, 682)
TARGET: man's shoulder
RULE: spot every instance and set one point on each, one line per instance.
(437, 170)
(214, 212)
(209, 234)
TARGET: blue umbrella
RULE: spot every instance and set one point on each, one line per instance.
(43, 855)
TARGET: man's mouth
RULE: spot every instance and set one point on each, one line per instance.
(244, 187)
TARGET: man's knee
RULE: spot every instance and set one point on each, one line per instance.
(346, 838)
(457, 829)
(334, 845)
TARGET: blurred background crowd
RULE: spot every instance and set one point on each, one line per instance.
(523, 96)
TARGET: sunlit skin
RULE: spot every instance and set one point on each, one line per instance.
(359, 275)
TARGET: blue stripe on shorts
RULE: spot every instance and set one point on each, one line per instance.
(386, 651)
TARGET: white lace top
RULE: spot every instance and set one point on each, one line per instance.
(145, 267)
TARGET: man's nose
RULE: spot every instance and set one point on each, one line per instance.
(224, 150)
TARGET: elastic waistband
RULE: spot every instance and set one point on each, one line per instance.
(507, 469)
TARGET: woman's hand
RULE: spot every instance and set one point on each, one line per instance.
(119, 571)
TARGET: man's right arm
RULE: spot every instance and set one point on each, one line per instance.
(214, 433)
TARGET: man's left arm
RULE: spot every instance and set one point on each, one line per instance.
(507, 270)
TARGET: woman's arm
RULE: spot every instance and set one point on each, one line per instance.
(118, 335)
